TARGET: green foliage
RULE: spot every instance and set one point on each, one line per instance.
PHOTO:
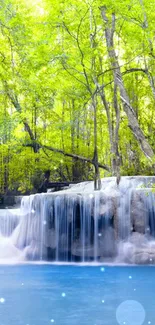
(51, 56)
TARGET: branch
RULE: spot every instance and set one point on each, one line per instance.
(28, 130)
(67, 70)
(76, 38)
(134, 70)
(66, 154)
(123, 73)
(82, 54)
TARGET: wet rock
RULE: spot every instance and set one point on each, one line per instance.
(144, 256)
(138, 213)
(138, 250)
(106, 210)
(141, 258)
(139, 240)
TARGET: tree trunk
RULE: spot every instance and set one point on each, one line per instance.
(113, 129)
(132, 120)
(97, 179)
(145, 26)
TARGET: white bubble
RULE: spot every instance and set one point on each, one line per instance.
(102, 269)
(63, 294)
(149, 322)
(99, 234)
(134, 289)
(2, 300)
(22, 284)
(44, 222)
(91, 196)
(52, 320)
(130, 277)
(102, 301)
(32, 211)
(150, 259)
(130, 312)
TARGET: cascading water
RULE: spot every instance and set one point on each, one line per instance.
(81, 225)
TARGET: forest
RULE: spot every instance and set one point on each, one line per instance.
(77, 90)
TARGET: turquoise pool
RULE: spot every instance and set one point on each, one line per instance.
(76, 295)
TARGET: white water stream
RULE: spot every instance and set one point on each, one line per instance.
(79, 225)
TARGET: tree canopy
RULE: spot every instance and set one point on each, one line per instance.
(77, 90)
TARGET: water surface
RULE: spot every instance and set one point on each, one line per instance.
(76, 295)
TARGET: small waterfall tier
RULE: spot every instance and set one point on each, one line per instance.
(115, 224)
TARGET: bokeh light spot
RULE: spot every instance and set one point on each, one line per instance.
(130, 312)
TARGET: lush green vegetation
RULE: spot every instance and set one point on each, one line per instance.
(79, 77)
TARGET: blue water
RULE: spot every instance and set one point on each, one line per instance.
(74, 295)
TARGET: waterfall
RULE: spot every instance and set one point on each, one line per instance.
(115, 224)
